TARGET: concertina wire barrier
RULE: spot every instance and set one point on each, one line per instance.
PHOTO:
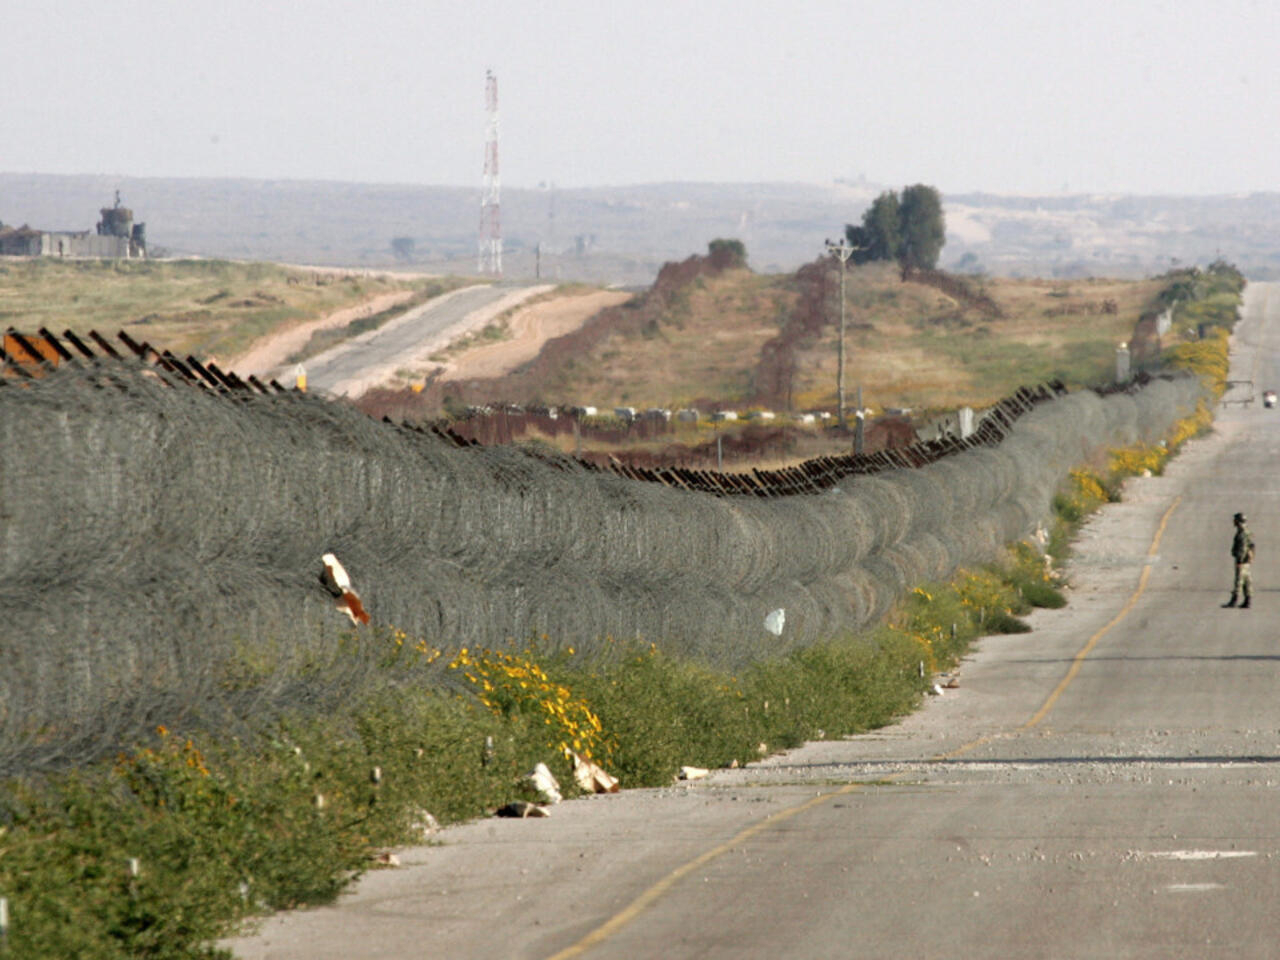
(160, 549)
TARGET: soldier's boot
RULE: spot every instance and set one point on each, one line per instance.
(1247, 599)
(1231, 602)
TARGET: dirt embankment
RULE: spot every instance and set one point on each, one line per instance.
(530, 328)
(526, 382)
(814, 283)
(619, 320)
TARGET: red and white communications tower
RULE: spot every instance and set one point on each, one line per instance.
(490, 260)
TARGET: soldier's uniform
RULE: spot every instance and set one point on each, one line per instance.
(1242, 554)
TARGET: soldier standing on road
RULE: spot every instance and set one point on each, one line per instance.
(1242, 553)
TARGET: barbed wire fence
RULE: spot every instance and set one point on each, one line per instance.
(160, 549)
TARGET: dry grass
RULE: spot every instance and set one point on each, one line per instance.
(205, 307)
(908, 344)
(926, 351)
(706, 345)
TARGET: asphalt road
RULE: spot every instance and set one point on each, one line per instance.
(1107, 786)
(357, 364)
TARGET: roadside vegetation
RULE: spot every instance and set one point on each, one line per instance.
(1203, 299)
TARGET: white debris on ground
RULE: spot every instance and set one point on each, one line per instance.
(692, 773)
(590, 777)
(544, 784)
(422, 823)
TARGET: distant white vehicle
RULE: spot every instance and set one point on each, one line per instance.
(1269, 398)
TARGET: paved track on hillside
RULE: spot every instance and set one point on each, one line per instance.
(362, 362)
(1105, 786)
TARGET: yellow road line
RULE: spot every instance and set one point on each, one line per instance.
(642, 902)
(1093, 641)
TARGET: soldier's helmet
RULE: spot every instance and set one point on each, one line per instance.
(1238, 518)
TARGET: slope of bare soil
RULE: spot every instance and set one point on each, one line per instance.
(527, 331)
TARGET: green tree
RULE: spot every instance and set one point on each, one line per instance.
(883, 223)
(910, 229)
(860, 239)
(923, 227)
(879, 236)
(725, 253)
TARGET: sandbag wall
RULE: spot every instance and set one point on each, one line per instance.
(160, 547)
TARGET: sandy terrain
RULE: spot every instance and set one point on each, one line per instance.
(530, 328)
(272, 350)
(408, 341)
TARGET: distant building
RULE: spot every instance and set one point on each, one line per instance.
(116, 237)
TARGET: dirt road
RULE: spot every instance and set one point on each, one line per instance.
(266, 356)
(374, 357)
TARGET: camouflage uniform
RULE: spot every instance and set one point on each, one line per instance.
(1242, 554)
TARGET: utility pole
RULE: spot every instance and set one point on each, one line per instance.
(842, 252)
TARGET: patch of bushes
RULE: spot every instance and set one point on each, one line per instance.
(1203, 298)
(223, 831)
(1207, 359)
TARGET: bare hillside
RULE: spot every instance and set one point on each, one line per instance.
(712, 336)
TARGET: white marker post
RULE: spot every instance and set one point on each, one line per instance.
(1123, 372)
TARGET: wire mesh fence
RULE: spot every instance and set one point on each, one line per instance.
(160, 548)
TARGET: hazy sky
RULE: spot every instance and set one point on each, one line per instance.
(1011, 97)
